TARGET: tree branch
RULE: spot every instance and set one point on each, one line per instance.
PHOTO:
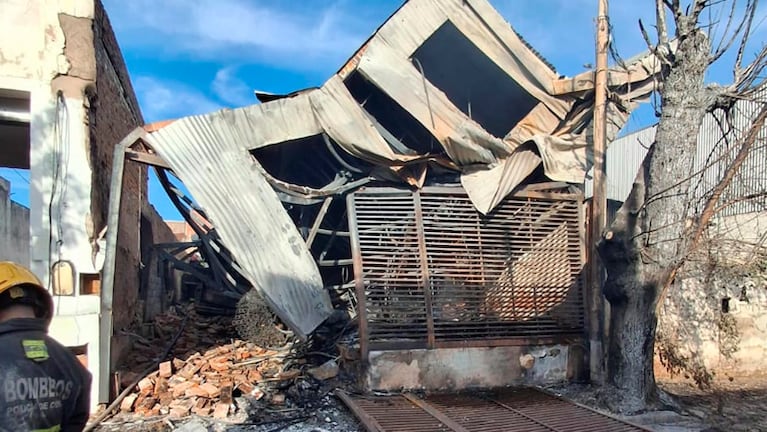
(662, 55)
(746, 22)
(732, 202)
(726, 180)
(697, 8)
(660, 22)
(729, 174)
(650, 46)
(747, 81)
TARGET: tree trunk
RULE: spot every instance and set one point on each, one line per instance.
(644, 247)
(630, 358)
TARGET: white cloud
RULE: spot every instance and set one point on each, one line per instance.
(321, 33)
(230, 89)
(163, 99)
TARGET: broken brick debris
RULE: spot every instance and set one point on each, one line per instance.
(205, 383)
(207, 370)
(165, 370)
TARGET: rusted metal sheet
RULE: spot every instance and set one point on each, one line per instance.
(509, 410)
(222, 176)
(431, 270)
(400, 60)
(448, 83)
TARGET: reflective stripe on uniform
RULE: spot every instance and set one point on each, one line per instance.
(56, 428)
(35, 349)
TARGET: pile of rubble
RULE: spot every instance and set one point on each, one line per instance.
(204, 383)
(209, 372)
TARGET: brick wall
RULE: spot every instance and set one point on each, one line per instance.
(153, 231)
(114, 112)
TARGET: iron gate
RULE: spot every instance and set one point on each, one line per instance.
(431, 271)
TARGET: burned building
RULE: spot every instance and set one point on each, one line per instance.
(65, 100)
(429, 188)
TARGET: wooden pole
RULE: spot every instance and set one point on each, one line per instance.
(599, 200)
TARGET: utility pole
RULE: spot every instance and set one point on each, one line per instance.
(598, 206)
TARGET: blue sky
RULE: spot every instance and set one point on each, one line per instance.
(194, 56)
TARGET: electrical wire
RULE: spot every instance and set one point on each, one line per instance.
(55, 176)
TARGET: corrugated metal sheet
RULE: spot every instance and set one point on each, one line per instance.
(208, 156)
(717, 146)
(505, 176)
(491, 165)
(386, 61)
(624, 157)
(210, 153)
(712, 156)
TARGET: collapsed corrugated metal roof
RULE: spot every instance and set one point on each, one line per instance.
(445, 89)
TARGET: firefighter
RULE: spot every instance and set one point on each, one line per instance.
(43, 387)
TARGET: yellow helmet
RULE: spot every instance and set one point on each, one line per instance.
(13, 276)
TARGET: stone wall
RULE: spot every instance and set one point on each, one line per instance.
(713, 323)
(14, 227)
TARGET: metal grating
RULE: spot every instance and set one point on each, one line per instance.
(390, 253)
(435, 271)
(510, 410)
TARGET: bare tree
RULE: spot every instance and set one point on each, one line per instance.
(658, 227)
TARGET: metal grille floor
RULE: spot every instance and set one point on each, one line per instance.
(511, 410)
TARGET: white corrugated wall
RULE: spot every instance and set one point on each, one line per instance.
(625, 155)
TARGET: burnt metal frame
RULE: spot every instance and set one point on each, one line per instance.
(554, 412)
(129, 149)
(548, 191)
(226, 271)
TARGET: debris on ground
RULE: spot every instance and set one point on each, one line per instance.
(213, 376)
(204, 383)
(254, 321)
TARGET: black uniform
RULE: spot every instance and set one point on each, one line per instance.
(43, 387)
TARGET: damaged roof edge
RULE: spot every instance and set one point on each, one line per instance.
(207, 157)
(384, 61)
(351, 63)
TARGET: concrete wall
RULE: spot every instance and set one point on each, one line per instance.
(35, 56)
(707, 336)
(458, 369)
(14, 227)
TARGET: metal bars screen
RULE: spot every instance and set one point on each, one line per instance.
(431, 271)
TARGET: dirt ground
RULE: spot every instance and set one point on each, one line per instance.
(737, 405)
(734, 405)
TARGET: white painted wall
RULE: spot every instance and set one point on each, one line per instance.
(31, 56)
